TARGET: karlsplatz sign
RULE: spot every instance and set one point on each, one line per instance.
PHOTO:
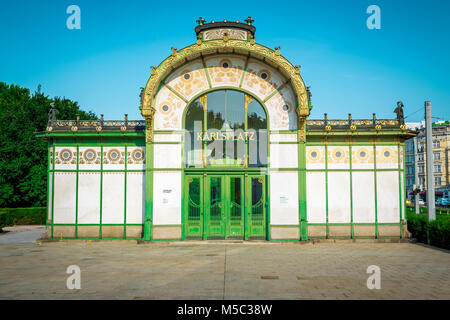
(226, 136)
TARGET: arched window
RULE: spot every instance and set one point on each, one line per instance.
(225, 128)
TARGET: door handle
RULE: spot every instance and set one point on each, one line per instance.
(220, 205)
(231, 206)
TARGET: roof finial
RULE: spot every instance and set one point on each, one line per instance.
(249, 20)
(201, 21)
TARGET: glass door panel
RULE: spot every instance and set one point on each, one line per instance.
(235, 208)
(194, 207)
(216, 210)
(256, 208)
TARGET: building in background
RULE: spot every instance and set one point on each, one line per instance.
(415, 154)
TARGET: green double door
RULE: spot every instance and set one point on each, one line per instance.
(225, 207)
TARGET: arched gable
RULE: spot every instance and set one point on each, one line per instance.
(284, 92)
(243, 73)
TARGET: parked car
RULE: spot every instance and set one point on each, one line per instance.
(421, 202)
(445, 202)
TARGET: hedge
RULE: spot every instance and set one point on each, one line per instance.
(436, 233)
(22, 216)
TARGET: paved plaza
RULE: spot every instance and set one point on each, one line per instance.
(219, 270)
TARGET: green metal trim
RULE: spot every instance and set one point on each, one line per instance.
(302, 192)
(400, 190)
(76, 192)
(244, 71)
(148, 192)
(375, 187)
(101, 191)
(179, 95)
(53, 192)
(205, 69)
(351, 189)
(48, 185)
(168, 142)
(125, 194)
(326, 187)
(89, 134)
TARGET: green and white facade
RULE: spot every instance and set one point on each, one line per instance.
(226, 151)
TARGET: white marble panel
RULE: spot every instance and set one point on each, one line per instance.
(283, 156)
(363, 186)
(316, 211)
(284, 198)
(65, 197)
(167, 156)
(113, 198)
(166, 198)
(135, 197)
(89, 198)
(388, 197)
(339, 197)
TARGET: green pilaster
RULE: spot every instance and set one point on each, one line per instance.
(400, 189)
(375, 187)
(76, 192)
(326, 187)
(148, 223)
(351, 189)
(53, 189)
(125, 196)
(101, 191)
(302, 190)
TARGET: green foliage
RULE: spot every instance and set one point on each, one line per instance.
(22, 216)
(23, 157)
(437, 231)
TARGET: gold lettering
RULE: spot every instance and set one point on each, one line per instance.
(199, 136)
(240, 137)
(252, 136)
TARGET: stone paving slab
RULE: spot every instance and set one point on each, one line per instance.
(125, 270)
(26, 234)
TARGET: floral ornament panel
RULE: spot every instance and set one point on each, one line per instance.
(362, 155)
(135, 156)
(338, 155)
(169, 110)
(113, 156)
(261, 79)
(282, 113)
(387, 156)
(225, 70)
(90, 156)
(189, 80)
(66, 156)
(315, 155)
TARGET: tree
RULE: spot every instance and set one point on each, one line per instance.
(23, 156)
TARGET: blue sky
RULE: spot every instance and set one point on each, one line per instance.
(350, 68)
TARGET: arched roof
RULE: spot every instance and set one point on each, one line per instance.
(241, 47)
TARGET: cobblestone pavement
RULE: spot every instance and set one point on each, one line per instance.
(217, 270)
